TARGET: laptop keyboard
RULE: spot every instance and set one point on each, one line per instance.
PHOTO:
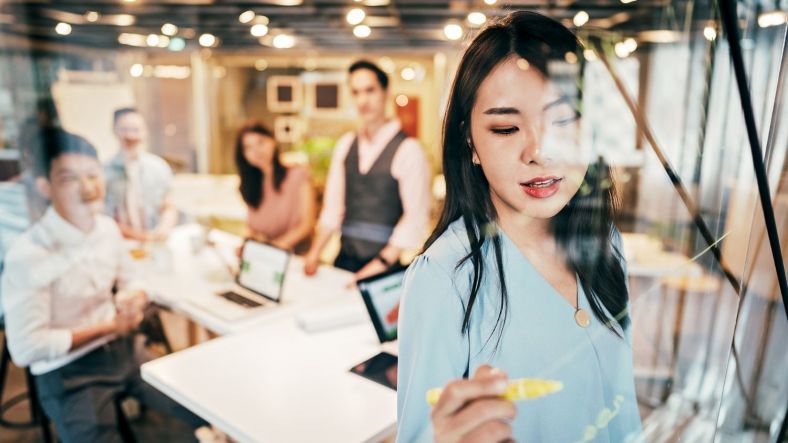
(240, 299)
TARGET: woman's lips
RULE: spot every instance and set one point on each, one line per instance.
(541, 187)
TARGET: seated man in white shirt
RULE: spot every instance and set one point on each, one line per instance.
(61, 317)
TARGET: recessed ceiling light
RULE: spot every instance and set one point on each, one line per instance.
(207, 40)
(259, 30)
(452, 31)
(122, 19)
(401, 100)
(620, 49)
(63, 28)
(710, 33)
(261, 64)
(92, 16)
(570, 57)
(477, 18)
(177, 44)
(246, 16)
(589, 55)
(362, 31)
(152, 40)
(772, 18)
(659, 36)
(284, 41)
(631, 44)
(136, 70)
(408, 73)
(132, 39)
(490, 2)
(169, 29)
(581, 18)
(355, 16)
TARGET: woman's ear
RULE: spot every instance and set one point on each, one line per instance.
(44, 187)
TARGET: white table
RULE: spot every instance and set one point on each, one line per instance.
(178, 274)
(277, 383)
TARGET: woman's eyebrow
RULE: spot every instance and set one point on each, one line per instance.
(560, 100)
(502, 111)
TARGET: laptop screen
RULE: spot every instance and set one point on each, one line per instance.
(263, 269)
(382, 296)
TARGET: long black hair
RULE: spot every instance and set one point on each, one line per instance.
(251, 176)
(583, 228)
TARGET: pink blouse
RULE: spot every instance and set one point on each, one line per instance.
(279, 211)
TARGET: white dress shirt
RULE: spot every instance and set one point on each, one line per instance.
(56, 279)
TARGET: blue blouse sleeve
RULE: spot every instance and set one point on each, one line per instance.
(432, 348)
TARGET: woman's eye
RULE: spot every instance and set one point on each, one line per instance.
(505, 131)
(566, 121)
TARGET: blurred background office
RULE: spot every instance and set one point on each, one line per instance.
(710, 334)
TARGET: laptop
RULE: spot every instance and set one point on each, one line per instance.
(258, 283)
(382, 294)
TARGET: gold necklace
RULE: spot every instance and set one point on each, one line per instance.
(581, 315)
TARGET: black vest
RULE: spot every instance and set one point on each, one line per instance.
(372, 202)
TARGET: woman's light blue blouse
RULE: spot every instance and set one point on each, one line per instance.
(540, 339)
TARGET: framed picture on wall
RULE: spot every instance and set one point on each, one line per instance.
(325, 97)
(283, 93)
(288, 129)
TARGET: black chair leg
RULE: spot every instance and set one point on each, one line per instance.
(6, 360)
(124, 428)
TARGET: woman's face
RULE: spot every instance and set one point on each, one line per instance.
(525, 137)
(258, 149)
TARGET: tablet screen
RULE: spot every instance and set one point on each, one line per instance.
(382, 296)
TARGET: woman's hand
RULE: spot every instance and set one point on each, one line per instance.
(471, 411)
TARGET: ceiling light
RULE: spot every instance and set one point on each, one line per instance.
(169, 29)
(710, 33)
(362, 31)
(136, 70)
(772, 18)
(207, 40)
(355, 16)
(132, 39)
(387, 64)
(259, 30)
(261, 65)
(631, 44)
(92, 16)
(284, 41)
(246, 17)
(570, 57)
(408, 73)
(177, 44)
(122, 19)
(581, 18)
(621, 50)
(452, 31)
(659, 36)
(589, 55)
(477, 18)
(401, 100)
(627, 1)
(63, 28)
(152, 40)
(490, 2)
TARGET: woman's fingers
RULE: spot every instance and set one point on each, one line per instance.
(459, 392)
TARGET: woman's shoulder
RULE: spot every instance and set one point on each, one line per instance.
(299, 173)
(445, 253)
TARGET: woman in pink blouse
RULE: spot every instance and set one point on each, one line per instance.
(281, 200)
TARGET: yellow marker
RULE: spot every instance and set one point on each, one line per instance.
(521, 389)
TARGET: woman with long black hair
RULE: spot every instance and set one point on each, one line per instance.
(280, 199)
(523, 276)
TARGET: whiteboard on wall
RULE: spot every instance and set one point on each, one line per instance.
(86, 108)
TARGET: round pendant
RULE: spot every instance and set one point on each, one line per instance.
(582, 318)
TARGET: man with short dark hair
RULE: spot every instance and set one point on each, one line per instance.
(138, 183)
(377, 191)
(62, 319)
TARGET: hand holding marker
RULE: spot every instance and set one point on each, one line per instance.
(520, 389)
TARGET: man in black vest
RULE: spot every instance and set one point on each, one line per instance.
(378, 188)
